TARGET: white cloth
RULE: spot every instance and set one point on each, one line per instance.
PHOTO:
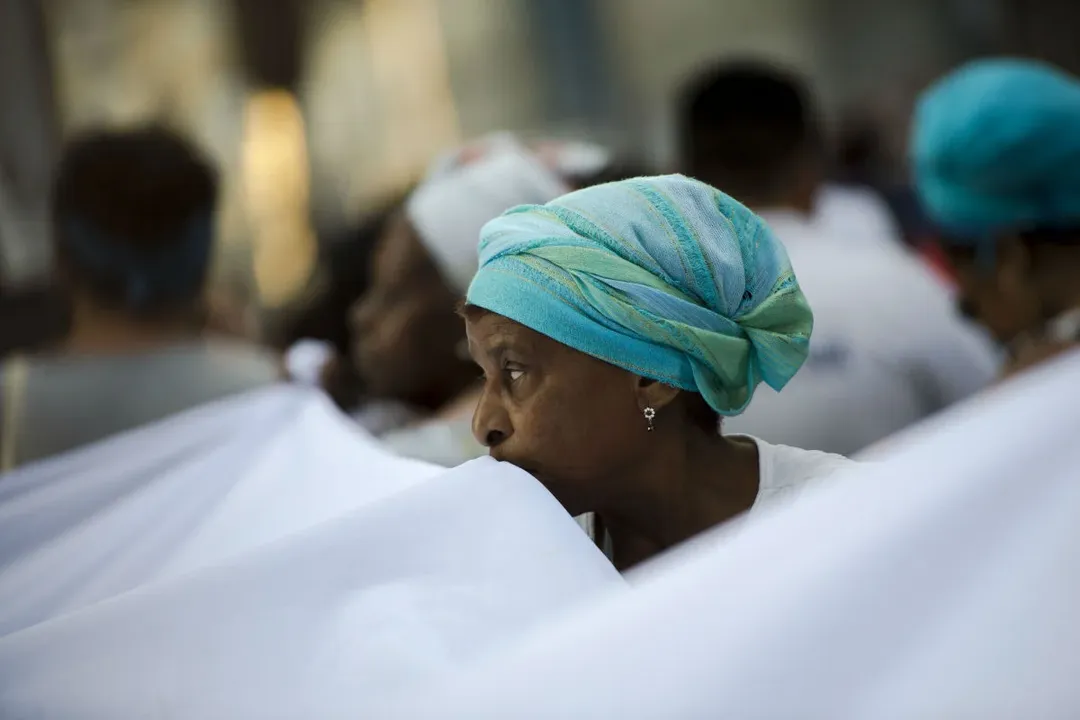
(888, 347)
(306, 359)
(941, 583)
(262, 558)
(459, 197)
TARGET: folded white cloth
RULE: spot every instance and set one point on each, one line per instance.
(942, 582)
(262, 558)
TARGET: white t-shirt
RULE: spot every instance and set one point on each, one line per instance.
(888, 347)
(53, 404)
(784, 472)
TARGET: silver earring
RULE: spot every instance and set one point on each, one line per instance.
(649, 414)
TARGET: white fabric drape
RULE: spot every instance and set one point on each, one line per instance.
(262, 558)
(941, 582)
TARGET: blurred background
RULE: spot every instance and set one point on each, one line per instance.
(318, 111)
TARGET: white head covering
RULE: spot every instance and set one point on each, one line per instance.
(462, 192)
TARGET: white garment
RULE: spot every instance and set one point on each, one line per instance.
(888, 347)
(451, 206)
(941, 583)
(56, 403)
(786, 472)
(858, 216)
(447, 442)
(378, 417)
(261, 558)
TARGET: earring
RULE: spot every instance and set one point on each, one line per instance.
(649, 414)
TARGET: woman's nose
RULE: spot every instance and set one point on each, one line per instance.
(491, 423)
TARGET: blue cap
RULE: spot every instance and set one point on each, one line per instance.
(995, 148)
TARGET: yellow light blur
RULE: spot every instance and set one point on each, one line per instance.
(410, 68)
(276, 182)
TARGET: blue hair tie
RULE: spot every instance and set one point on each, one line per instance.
(149, 276)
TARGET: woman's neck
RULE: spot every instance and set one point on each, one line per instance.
(681, 492)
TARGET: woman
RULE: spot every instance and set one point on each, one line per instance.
(996, 156)
(614, 326)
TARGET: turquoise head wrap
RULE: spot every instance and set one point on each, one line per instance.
(666, 277)
(995, 148)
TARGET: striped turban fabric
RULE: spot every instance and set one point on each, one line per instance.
(665, 277)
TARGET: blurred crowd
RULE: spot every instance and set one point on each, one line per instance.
(133, 214)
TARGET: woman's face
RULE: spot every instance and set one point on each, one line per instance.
(405, 326)
(570, 420)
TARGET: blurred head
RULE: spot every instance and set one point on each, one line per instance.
(658, 293)
(407, 337)
(996, 158)
(750, 129)
(410, 344)
(133, 214)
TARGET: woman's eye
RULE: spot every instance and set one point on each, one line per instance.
(515, 374)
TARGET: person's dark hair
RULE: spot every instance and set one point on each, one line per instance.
(745, 127)
(133, 215)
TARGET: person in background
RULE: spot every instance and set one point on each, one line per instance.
(704, 107)
(325, 319)
(133, 215)
(888, 347)
(410, 343)
(614, 326)
(995, 149)
(861, 163)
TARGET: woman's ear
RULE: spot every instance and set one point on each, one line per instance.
(655, 394)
